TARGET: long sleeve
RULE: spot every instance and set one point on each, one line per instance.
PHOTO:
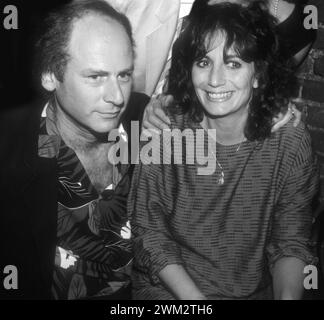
(291, 229)
(149, 205)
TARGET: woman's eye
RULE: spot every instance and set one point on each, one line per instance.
(234, 64)
(125, 77)
(202, 63)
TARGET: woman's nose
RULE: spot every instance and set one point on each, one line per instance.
(216, 76)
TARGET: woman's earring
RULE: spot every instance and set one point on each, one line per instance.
(256, 84)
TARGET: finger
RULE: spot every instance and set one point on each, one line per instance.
(160, 117)
(168, 100)
(297, 114)
(282, 120)
(297, 101)
(160, 106)
(148, 109)
(147, 125)
(154, 121)
(156, 117)
(147, 134)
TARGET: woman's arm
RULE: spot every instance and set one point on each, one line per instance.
(177, 280)
(288, 278)
(157, 252)
(290, 247)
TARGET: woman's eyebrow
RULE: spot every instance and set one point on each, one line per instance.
(231, 56)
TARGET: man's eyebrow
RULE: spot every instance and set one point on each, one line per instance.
(95, 71)
(104, 73)
(127, 70)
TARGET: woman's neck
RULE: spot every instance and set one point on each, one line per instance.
(228, 131)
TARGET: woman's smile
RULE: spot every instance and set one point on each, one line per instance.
(219, 96)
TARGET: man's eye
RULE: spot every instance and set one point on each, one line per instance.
(125, 77)
(202, 63)
(94, 77)
(234, 64)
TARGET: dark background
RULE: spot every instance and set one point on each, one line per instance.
(17, 85)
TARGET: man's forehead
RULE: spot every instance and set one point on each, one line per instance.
(95, 39)
(95, 25)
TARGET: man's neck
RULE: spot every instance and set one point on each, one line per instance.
(74, 135)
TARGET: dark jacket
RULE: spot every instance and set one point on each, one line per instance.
(28, 193)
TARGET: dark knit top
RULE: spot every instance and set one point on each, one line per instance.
(227, 236)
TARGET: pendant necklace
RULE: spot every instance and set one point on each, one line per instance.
(221, 179)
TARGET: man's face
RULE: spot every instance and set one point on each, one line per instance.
(98, 77)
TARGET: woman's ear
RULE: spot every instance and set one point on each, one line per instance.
(49, 81)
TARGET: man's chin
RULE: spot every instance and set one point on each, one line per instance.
(104, 130)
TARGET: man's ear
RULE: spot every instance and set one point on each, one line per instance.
(49, 81)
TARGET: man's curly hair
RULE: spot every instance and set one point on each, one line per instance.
(250, 32)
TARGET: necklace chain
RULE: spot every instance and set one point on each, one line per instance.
(221, 179)
(276, 4)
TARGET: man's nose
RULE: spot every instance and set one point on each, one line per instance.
(216, 76)
(113, 93)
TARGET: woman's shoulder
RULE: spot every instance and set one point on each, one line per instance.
(293, 139)
(289, 130)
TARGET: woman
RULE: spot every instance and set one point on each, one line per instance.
(243, 231)
(295, 42)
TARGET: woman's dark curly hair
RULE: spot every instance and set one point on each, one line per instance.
(250, 32)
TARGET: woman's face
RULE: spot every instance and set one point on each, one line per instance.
(223, 88)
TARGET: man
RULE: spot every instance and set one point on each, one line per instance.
(63, 220)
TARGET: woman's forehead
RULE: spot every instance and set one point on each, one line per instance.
(217, 40)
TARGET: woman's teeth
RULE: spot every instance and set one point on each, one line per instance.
(220, 96)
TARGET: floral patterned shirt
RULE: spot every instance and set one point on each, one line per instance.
(93, 256)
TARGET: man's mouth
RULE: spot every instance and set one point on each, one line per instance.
(219, 96)
(109, 115)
